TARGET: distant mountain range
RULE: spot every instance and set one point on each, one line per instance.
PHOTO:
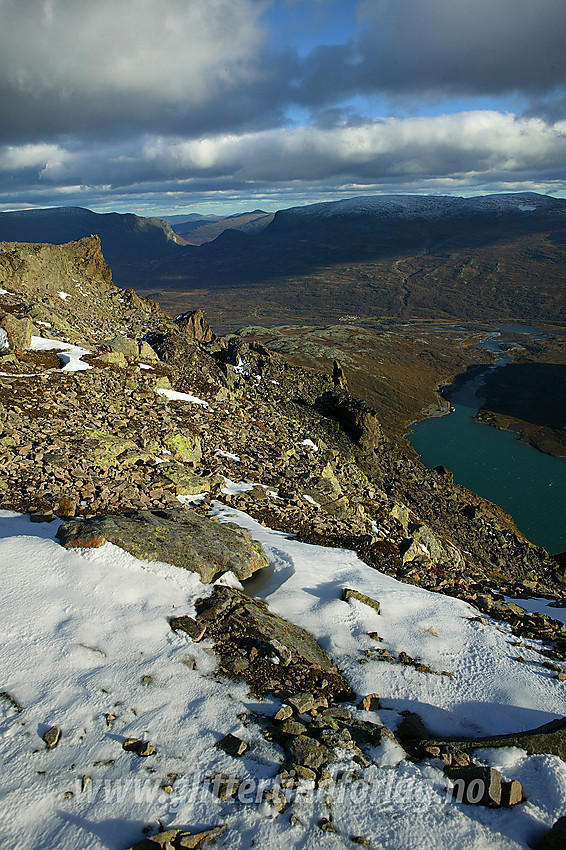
(497, 257)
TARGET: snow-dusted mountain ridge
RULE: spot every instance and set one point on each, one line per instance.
(430, 206)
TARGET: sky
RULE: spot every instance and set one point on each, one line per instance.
(165, 107)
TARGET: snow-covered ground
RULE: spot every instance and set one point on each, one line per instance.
(70, 355)
(85, 634)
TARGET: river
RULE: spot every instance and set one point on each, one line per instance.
(528, 484)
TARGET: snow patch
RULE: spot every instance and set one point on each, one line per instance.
(70, 355)
(173, 395)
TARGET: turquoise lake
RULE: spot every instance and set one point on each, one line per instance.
(528, 484)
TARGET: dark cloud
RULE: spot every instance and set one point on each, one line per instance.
(68, 66)
(444, 48)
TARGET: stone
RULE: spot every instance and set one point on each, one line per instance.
(12, 701)
(301, 702)
(348, 594)
(308, 752)
(548, 738)
(52, 737)
(177, 839)
(111, 358)
(476, 785)
(338, 377)
(139, 747)
(18, 332)
(237, 622)
(40, 516)
(186, 624)
(66, 507)
(233, 746)
(177, 536)
(186, 448)
(304, 772)
(123, 345)
(554, 839)
(146, 353)
(369, 703)
(354, 416)
(511, 793)
(284, 713)
(292, 727)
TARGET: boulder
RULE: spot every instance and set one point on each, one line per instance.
(123, 345)
(233, 746)
(177, 536)
(356, 418)
(18, 332)
(244, 629)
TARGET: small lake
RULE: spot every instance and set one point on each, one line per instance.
(528, 484)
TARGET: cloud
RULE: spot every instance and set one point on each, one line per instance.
(462, 143)
(462, 148)
(108, 99)
(443, 49)
(68, 66)
(464, 46)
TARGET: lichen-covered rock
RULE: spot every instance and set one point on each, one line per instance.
(112, 358)
(177, 839)
(18, 332)
(184, 447)
(123, 345)
(177, 536)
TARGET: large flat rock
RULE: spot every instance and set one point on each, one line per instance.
(177, 536)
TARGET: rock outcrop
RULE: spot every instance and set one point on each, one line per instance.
(270, 653)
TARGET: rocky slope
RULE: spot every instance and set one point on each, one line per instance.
(356, 488)
(111, 414)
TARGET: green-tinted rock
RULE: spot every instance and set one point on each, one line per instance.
(308, 752)
(162, 383)
(348, 593)
(146, 353)
(123, 345)
(108, 449)
(112, 358)
(184, 447)
(177, 536)
(18, 331)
